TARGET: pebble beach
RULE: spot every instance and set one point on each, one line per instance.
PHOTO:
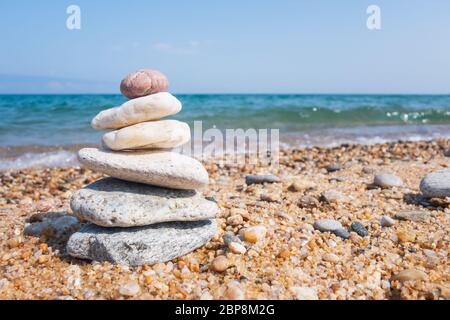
(347, 222)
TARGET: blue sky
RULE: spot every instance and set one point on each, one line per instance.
(227, 46)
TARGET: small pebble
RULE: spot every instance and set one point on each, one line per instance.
(255, 234)
(387, 180)
(129, 289)
(416, 216)
(330, 257)
(301, 185)
(327, 225)
(359, 229)
(230, 237)
(410, 275)
(332, 196)
(334, 167)
(241, 212)
(235, 220)
(304, 293)
(219, 264)
(387, 221)
(237, 248)
(261, 178)
(308, 202)
(270, 197)
(342, 233)
(234, 292)
(406, 236)
(368, 170)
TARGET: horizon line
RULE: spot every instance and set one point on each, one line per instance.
(239, 93)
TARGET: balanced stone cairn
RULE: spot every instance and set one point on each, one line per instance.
(148, 211)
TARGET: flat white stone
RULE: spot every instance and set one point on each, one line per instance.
(148, 108)
(140, 245)
(162, 134)
(112, 202)
(156, 167)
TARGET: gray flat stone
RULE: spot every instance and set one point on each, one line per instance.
(342, 233)
(117, 203)
(327, 225)
(140, 245)
(261, 178)
(416, 216)
(436, 184)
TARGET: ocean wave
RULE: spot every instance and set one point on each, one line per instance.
(40, 160)
(20, 157)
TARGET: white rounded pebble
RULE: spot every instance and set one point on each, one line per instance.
(387, 180)
(130, 289)
(387, 221)
(237, 248)
(325, 225)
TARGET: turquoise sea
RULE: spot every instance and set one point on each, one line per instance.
(46, 129)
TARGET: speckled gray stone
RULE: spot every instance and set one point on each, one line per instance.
(359, 229)
(158, 168)
(112, 202)
(387, 180)
(327, 225)
(140, 245)
(436, 184)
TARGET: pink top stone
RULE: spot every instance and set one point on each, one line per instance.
(143, 83)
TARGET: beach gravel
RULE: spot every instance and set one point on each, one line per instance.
(291, 255)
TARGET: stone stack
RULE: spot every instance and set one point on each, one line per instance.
(148, 210)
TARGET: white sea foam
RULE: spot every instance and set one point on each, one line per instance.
(41, 160)
(296, 140)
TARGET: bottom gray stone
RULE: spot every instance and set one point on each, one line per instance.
(140, 245)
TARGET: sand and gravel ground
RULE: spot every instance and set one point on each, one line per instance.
(292, 261)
